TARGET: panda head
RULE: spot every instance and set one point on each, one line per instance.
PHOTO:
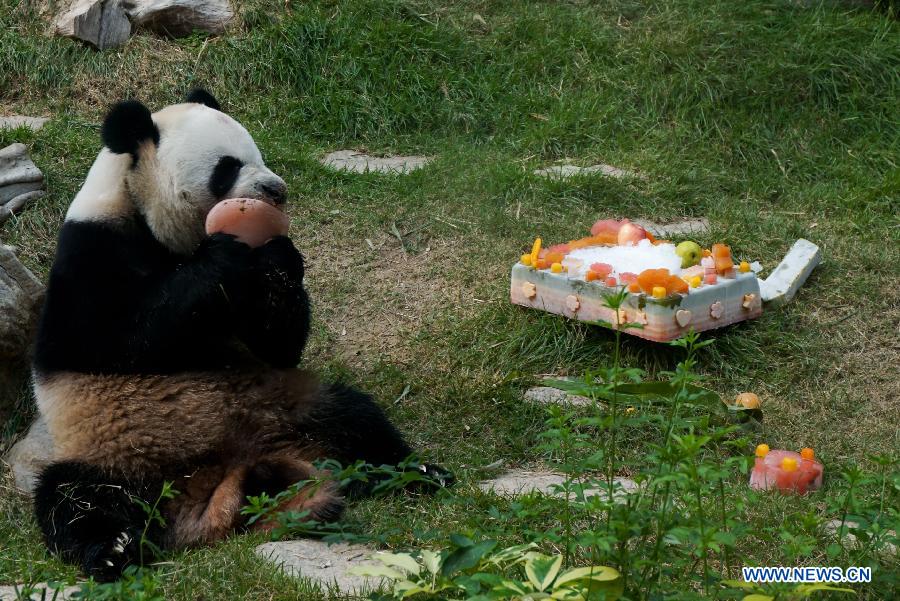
(172, 167)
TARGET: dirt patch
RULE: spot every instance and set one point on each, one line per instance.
(372, 300)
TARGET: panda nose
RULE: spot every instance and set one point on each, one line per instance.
(275, 191)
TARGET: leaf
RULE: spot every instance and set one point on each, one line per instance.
(595, 573)
(806, 589)
(459, 540)
(431, 560)
(377, 571)
(757, 597)
(542, 570)
(466, 557)
(404, 561)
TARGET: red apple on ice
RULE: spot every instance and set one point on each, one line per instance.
(630, 234)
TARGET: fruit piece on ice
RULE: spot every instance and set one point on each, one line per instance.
(559, 248)
(722, 256)
(762, 450)
(627, 277)
(690, 272)
(690, 253)
(696, 281)
(572, 264)
(634, 287)
(535, 251)
(744, 267)
(554, 257)
(659, 292)
(630, 234)
(526, 259)
(607, 226)
(601, 269)
(542, 264)
(556, 267)
(708, 262)
(590, 276)
(710, 278)
(251, 221)
(807, 453)
(611, 282)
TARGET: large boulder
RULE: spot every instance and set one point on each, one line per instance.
(101, 23)
(178, 18)
(21, 182)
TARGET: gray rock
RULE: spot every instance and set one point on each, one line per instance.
(21, 182)
(359, 162)
(179, 18)
(523, 482)
(21, 295)
(14, 121)
(101, 23)
(566, 171)
(682, 227)
(547, 395)
(833, 529)
(42, 591)
(326, 564)
(30, 455)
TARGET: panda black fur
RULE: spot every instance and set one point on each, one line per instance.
(164, 354)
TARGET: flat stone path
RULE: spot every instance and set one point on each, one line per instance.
(14, 121)
(326, 564)
(547, 395)
(360, 162)
(40, 591)
(523, 482)
(566, 171)
(680, 227)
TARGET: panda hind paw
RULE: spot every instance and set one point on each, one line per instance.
(434, 477)
(110, 559)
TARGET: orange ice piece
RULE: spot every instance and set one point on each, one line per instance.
(722, 256)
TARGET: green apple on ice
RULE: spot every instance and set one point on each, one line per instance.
(689, 252)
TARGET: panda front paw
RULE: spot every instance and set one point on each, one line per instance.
(111, 558)
(436, 476)
(280, 262)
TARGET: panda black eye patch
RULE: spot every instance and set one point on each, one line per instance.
(224, 175)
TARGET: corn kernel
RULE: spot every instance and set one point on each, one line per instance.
(744, 267)
(789, 464)
(696, 281)
(807, 453)
(556, 268)
(762, 450)
(659, 292)
(526, 259)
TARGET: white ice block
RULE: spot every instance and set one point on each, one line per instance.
(783, 283)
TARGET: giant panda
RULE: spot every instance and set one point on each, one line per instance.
(164, 354)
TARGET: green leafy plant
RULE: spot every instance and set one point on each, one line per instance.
(470, 570)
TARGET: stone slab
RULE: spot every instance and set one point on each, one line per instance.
(326, 564)
(360, 162)
(41, 591)
(523, 482)
(566, 171)
(15, 121)
(784, 282)
(833, 529)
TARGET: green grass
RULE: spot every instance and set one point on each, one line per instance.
(776, 120)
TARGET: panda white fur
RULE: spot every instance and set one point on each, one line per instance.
(167, 355)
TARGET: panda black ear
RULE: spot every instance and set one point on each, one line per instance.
(127, 126)
(201, 96)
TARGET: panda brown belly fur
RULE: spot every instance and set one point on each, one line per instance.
(204, 431)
